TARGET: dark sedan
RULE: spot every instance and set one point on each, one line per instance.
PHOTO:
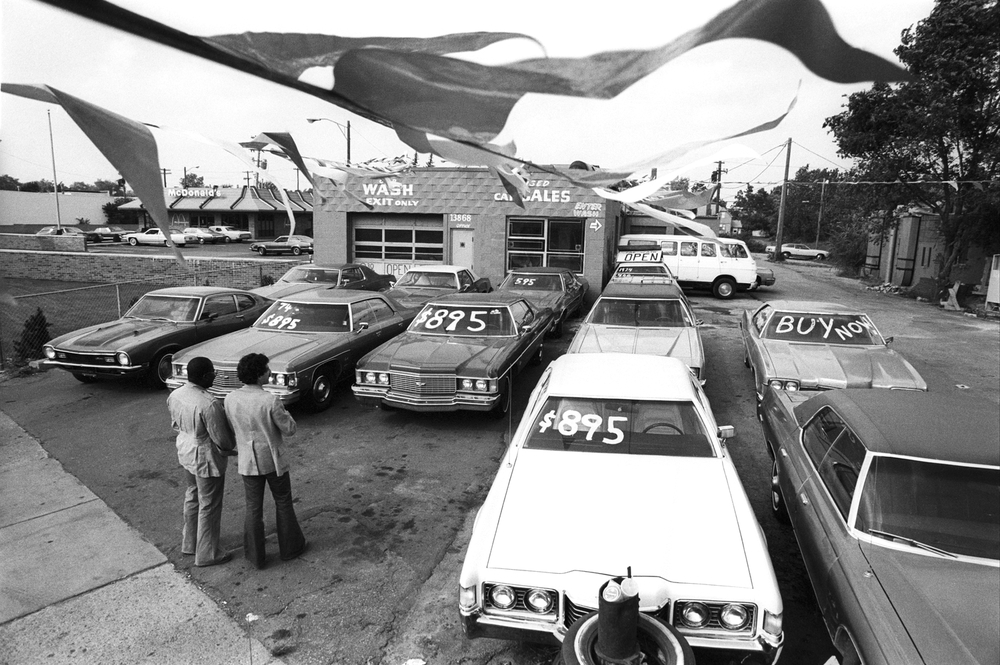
(559, 289)
(143, 342)
(343, 276)
(895, 501)
(312, 339)
(283, 245)
(91, 236)
(421, 284)
(460, 353)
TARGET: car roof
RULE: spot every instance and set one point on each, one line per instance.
(195, 291)
(437, 267)
(541, 270)
(811, 306)
(930, 425)
(493, 298)
(327, 295)
(622, 376)
(659, 290)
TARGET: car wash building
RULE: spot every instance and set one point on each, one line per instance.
(463, 216)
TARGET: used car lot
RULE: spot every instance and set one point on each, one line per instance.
(418, 480)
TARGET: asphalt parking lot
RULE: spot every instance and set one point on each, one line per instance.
(387, 498)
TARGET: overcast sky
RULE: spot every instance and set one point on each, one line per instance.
(706, 93)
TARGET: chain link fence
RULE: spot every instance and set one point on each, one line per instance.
(28, 321)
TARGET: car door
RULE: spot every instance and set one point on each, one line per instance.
(219, 315)
(280, 244)
(527, 343)
(151, 237)
(364, 315)
(708, 262)
(754, 326)
(687, 261)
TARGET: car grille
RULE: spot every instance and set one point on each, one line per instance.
(225, 379)
(574, 612)
(99, 358)
(423, 384)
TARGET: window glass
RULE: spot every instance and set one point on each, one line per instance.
(468, 321)
(352, 275)
(669, 247)
(707, 249)
(519, 310)
(305, 317)
(545, 242)
(527, 227)
(760, 318)
(382, 311)
(464, 279)
(414, 277)
(531, 282)
(244, 302)
(219, 305)
(363, 313)
(820, 433)
(841, 467)
(640, 313)
(689, 249)
(164, 307)
(846, 329)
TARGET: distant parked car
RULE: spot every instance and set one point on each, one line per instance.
(559, 289)
(204, 235)
(156, 237)
(162, 322)
(284, 245)
(231, 233)
(91, 236)
(421, 284)
(795, 250)
(894, 497)
(111, 233)
(343, 276)
(765, 277)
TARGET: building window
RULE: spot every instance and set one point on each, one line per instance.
(265, 226)
(237, 220)
(534, 242)
(399, 244)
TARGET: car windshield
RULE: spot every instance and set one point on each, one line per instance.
(641, 313)
(519, 282)
(172, 308)
(440, 280)
(311, 275)
(305, 239)
(629, 427)
(843, 329)
(463, 321)
(946, 506)
(641, 270)
(305, 317)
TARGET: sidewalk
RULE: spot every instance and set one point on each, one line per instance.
(78, 585)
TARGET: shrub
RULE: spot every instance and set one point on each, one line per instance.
(34, 335)
(266, 280)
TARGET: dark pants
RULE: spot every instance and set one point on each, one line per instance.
(290, 538)
(203, 518)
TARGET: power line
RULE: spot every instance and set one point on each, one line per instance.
(817, 154)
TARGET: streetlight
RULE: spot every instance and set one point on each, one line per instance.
(342, 129)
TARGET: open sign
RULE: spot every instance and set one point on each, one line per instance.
(647, 256)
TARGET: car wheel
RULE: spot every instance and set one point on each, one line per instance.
(227, 240)
(778, 507)
(821, 257)
(133, 242)
(83, 378)
(262, 251)
(296, 251)
(786, 255)
(724, 288)
(321, 391)
(536, 358)
(502, 407)
(201, 241)
(159, 370)
(658, 642)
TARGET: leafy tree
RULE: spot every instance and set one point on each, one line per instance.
(40, 186)
(192, 181)
(118, 217)
(112, 186)
(9, 183)
(80, 186)
(756, 209)
(943, 125)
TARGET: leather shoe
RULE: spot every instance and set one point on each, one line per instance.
(302, 551)
(222, 559)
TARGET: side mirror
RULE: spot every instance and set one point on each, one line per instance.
(527, 327)
(699, 322)
(888, 340)
(727, 431)
(362, 325)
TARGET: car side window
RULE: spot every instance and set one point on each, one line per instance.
(841, 468)
(707, 249)
(669, 247)
(281, 239)
(760, 318)
(519, 310)
(464, 279)
(380, 310)
(689, 249)
(244, 302)
(363, 313)
(349, 275)
(219, 305)
(820, 433)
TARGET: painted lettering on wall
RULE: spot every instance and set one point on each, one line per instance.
(388, 268)
(193, 193)
(459, 217)
(544, 195)
(385, 193)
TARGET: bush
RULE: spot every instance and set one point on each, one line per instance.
(755, 245)
(34, 335)
(266, 280)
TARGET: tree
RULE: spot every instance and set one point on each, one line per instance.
(942, 125)
(757, 210)
(80, 186)
(9, 183)
(192, 181)
(40, 186)
(118, 217)
(103, 185)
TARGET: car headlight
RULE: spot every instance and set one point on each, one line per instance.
(772, 623)
(369, 377)
(180, 370)
(50, 352)
(283, 379)
(695, 615)
(482, 385)
(383, 378)
(791, 386)
(503, 597)
(778, 384)
(539, 601)
(123, 358)
(734, 616)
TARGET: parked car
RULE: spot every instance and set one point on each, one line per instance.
(708, 263)
(461, 352)
(91, 236)
(312, 339)
(765, 277)
(618, 462)
(559, 289)
(895, 501)
(284, 244)
(630, 271)
(420, 284)
(797, 250)
(342, 276)
(803, 345)
(231, 233)
(143, 342)
(647, 315)
(204, 235)
(111, 233)
(156, 237)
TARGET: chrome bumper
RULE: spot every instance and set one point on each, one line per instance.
(374, 395)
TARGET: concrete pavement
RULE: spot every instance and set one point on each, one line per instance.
(79, 585)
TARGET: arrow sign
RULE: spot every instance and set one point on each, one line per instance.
(596, 225)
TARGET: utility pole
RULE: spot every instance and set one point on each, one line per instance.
(819, 221)
(348, 141)
(717, 179)
(165, 172)
(781, 207)
(246, 176)
(55, 179)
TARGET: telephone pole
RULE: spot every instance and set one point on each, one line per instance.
(781, 207)
(165, 172)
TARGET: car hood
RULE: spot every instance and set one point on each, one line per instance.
(411, 296)
(282, 289)
(681, 343)
(610, 504)
(949, 607)
(833, 366)
(281, 348)
(437, 353)
(116, 335)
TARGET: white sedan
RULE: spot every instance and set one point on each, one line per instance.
(156, 237)
(618, 463)
(796, 250)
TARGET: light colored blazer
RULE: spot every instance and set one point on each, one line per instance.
(260, 422)
(203, 432)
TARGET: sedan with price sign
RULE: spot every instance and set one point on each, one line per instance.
(630, 443)
(559, 289)
(460, 353)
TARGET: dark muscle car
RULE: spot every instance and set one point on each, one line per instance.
(559, 289)
(798, 345)
(312, 339)
(895, 501)
(420, 284)
(283, 244)
(343, 276)
(460, 353)
(161, 323)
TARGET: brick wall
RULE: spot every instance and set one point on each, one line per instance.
(112, 268)
(65, 243)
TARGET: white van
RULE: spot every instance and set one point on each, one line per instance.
(711, 263)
